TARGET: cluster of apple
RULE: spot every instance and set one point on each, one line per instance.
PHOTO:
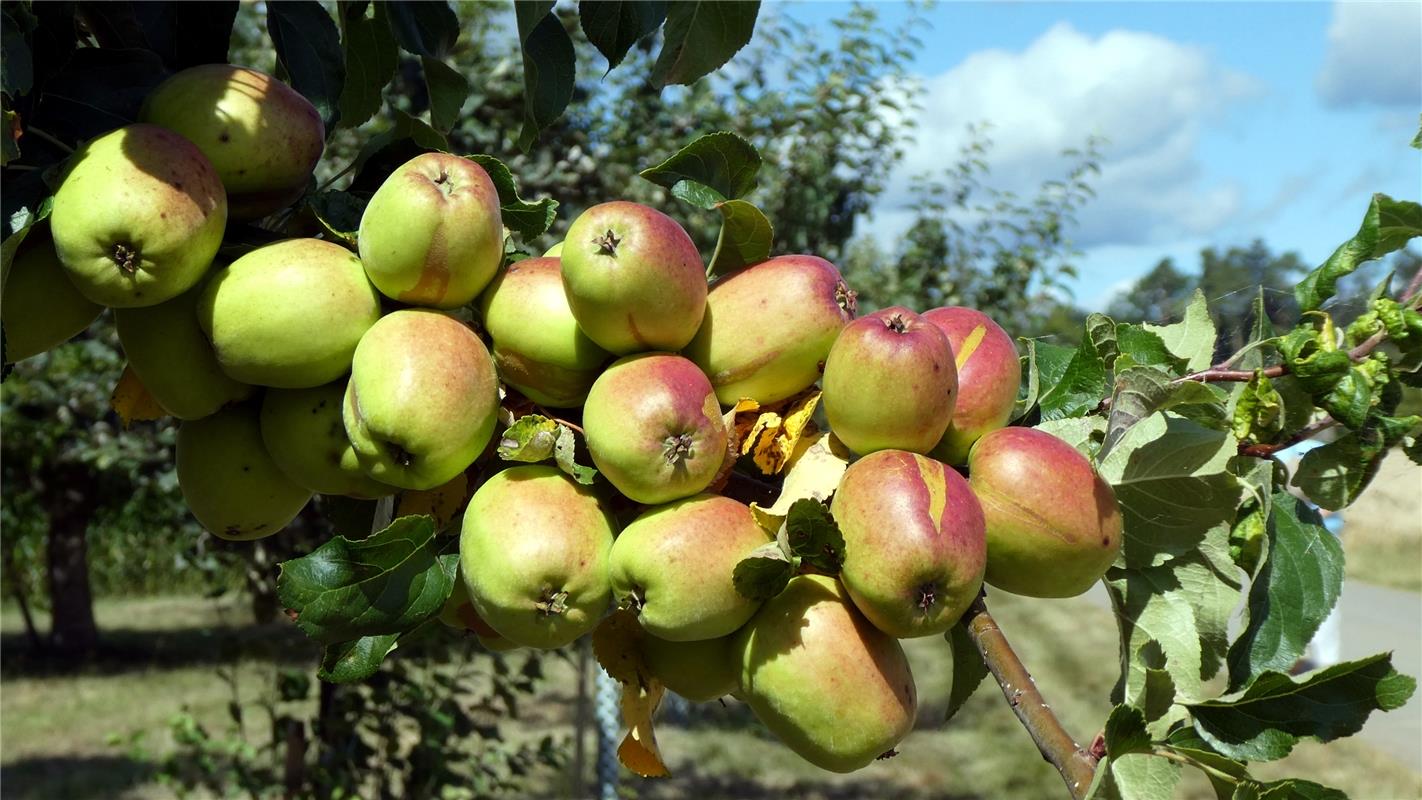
(304, 368)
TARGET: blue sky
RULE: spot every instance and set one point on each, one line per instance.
(1226, 121)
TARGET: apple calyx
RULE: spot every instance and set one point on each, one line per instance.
(896, 323)
(125, 257)
(551, 603)
(677, 448)
(607, 243)
(400, 455)
(927, 596)
(846, 298)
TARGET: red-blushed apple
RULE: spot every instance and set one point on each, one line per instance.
(889, 383)
(914, 548)
(768, 328)
(634, 278)
(1053, 524)
(989, 375)
(654, 428)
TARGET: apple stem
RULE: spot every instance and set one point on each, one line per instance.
(1075, 763)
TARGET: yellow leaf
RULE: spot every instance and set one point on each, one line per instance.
(443, 503)
(739, 420)
(776, 443)
(131, 400)
(617, 646)
(638, 751)
(815, 467)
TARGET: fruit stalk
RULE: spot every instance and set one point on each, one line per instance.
(1076, 765)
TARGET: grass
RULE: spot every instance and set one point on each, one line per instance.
(1382, 532)
(56, 727)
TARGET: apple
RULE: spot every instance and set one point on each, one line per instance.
(432, 234)
(41, 308)
(914, 550)
(989, 375)
(174, 360)
(654, 428)
(768, 328)
(228, 480)
(673, 564)
(550, 361)
(890, 383)
(458, 612)
(534, 548)
(634, 278)
(700, 671)
(831, 686)
(306, 437)
(1053, 524)
(422, 399)
(289, 314)
(138, 217)
(262, 136)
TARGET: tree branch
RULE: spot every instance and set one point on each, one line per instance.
(1220, 373)
(1307, 432)
(1076, 765)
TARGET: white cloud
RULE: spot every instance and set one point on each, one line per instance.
(1150, 96)
(1374, 55)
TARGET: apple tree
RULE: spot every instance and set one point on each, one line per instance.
(709, 460)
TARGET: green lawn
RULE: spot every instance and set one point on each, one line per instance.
(165, 654)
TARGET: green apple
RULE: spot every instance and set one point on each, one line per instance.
(673, 565)
(174, 360)
(289, 314)
(831, 686)
(538, 348)
(261, 135)
(634, 278)
(534, 547)
(890, 383)
(306, 437)
(138, 217)
(700, 671)
(1053, 524)
(230, 483)
(554, 252)
(459, 613)
(913, 542)
(432, 234)
(422, 399)
(989, 375)
(654, 428)
(41, 308)
(768, 329)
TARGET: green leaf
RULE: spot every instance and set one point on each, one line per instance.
(23, 211)
(16, 64)
(1145, 348)
(814, 536)
(1029, 387)
(1298, 583)
(1287, 789)
(613, 26)
(969, 669)
(384, 584)
(1142, 391)
(1125, 732)
(1265, 720)
(1334, 475)
(548, 68)
(9, 149)
(1156, 698)
(1080, 387)
(308, 48)
(712, 169)
(531, 438)
(424, 27)
(700, 36)
(1183, 605)
(1172, 480)
(1223, 772)
(1193, 338)
(355, 660)
(565, 455)
(744, 240)
(370, 58)
(1387, 227)
(448, 89)
(527, 219)
(764, 573)
(1083, 433)
(338, 213)
(1258, 413)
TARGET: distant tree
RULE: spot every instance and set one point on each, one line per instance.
(1158, 296)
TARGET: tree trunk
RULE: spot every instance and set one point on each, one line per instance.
(70, 505)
